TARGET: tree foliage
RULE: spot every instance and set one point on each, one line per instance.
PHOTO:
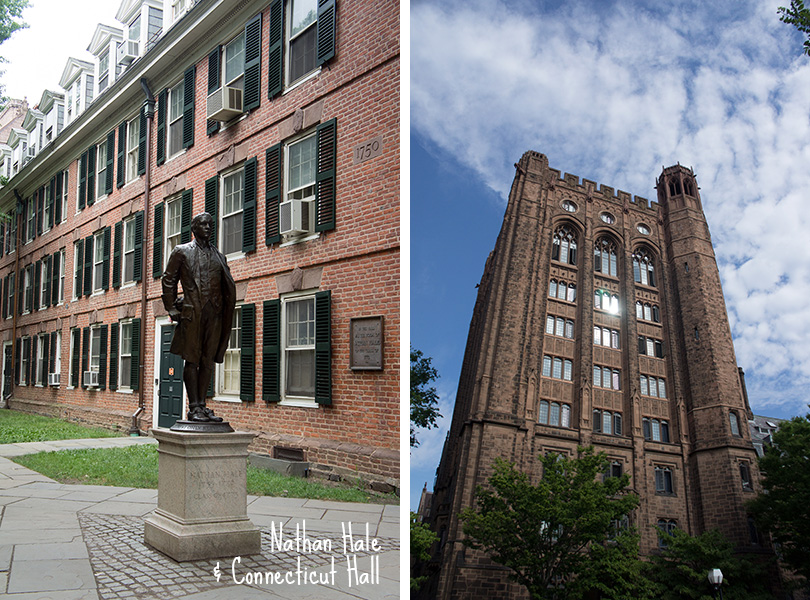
(422, 538)
(547, 533)
(11, 17)
(680, 571)
(783, 509)
(798, 16)
(424, 399)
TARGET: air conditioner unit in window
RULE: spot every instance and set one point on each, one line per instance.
(91, 379)
(54, 378)
(224, 104)
(127, 52)
(297, 216)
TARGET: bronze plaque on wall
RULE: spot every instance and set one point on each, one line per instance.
(366, 343)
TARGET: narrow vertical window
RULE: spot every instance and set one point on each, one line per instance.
(543, 412)
(735, 423)
(569, 329)
(565, 419)
(567, 368)
(546, 366)
(554, 418)
(564, 246)
(557, 368)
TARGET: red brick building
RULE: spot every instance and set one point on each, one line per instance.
(600, 320)
(281, 119)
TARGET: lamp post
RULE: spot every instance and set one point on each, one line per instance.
(716, 579)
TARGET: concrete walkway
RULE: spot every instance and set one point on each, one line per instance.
(85, 542)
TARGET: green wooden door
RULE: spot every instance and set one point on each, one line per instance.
(171, 381)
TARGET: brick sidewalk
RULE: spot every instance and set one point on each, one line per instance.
(75, 542)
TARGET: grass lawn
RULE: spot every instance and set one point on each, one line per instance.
(137, 466)
(21, 427)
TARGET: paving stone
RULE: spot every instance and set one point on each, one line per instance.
(74, 549)
(46, 575)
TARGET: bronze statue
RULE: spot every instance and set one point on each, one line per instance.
(204, 313)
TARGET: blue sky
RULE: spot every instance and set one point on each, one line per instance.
(613, 92)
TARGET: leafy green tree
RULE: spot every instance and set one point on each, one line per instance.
(10, 21)
(547, 532)
(783, 509)
(424, 399)
(799, 16)
(680, 571)
(614, 570)
(422, 538)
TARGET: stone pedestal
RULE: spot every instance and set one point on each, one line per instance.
(202, 497)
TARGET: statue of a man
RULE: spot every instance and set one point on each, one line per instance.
(204, 313)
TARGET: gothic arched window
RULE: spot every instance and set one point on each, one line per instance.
(643, 270)
(564, 246)
(604, 257)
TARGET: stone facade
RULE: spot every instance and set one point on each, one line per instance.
(600, 320)
(347, 263)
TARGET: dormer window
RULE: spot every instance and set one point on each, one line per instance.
(103, 70)
(134, 33)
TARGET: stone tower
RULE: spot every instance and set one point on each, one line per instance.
(599, 321)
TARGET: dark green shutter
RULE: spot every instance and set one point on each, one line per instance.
(56, 268)
(272, 196)
(253, 63)
(91, 175)
(118, 244)
(105, 267)
(102, 360)
(54, 349)
(185, 215)
(57, 211)
(85, 354)
(45, 340)
(137, 261)
(52, 202)
(212, 204)
(249, 206)
(78, 261)
(157, 242)
(37, 284)
(323, 348)
(47, 276)
(142, 142)
(108, 183)
(247, 359)
(74, 360)
(189, 83)
(326, 30)
(82, 180)
(114, 356)
(161, 126)
(135, 370)
(325, 176)
(88, 265)
(271, 350)
(213, 84)
(40, 205)
(121, 179)
(275, 64)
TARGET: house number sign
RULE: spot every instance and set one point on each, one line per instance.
(367, 150)
(366, 343)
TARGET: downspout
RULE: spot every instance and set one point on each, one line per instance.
(149, 105)
(14, 311)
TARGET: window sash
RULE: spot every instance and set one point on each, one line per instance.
(301, 168)
(125, 355)
(174, 221)
(95, 348)
(299, 347)
(175, 120)
(543, 413)
(233, 61)
(101, 170)
(133, 137)
(98, 261)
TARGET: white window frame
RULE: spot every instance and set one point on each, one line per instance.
(56, 365)
(176, 94)
(47, 209)
(223, 215)
(128, 255)
(238, 80)
(133, 139)
(61, 276)
(101, 171)
(70, 383)
(292, 399)
(290, 38)
(40, 360)
(28, 282)
(94, 360)
(31, 222)
(24, 359)
(104, 73)
(235, 354)
(174, 203)
(43, 291)
(98, 265)
(124, 382)
(64, 198)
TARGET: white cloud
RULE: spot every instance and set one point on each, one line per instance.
(614, 94)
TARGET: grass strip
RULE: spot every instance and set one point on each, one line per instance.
(137, 466)
(16, 427)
